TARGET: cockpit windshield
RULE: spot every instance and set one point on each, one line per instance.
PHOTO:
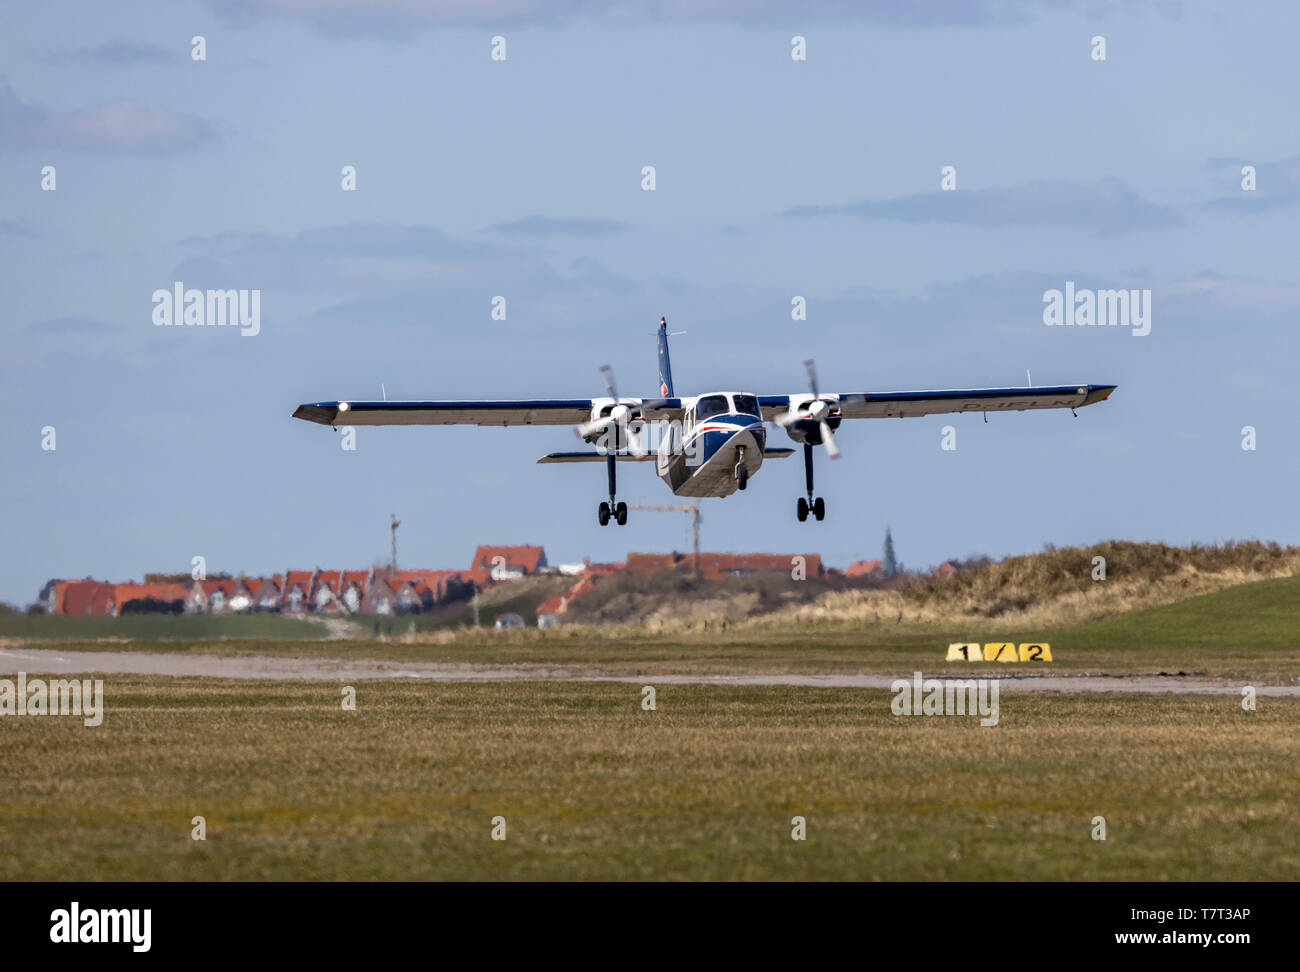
(711, 405)
(746, 405)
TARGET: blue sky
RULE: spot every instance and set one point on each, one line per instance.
(522, 178)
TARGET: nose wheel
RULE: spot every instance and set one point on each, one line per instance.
(817, 506)
(613, 510)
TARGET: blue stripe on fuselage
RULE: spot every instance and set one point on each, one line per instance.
(712, 438)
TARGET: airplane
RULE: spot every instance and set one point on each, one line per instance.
(702, 445)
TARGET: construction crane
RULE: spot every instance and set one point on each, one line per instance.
(694, 510)
(393, 526)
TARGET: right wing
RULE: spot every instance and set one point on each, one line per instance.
(540, 411)
(537, 411)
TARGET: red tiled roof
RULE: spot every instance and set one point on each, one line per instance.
(300, 577)
(330, 579)
(552, 605)
(166, 593)
(861, 568)
(86, 597)
(526, 557)
(648, 561)
(724, 563)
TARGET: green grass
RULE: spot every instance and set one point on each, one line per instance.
(592, 787)
(1260, 615)
(152, 627)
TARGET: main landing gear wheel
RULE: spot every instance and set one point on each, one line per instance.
(815, 506)
(612, 509)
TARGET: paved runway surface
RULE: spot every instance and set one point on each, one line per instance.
(45, 661)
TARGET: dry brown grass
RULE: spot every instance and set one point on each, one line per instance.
(595, 788)
(1055, 588)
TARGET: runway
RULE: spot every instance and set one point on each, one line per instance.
(45, 661)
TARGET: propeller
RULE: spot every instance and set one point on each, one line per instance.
(818, 410)
(618, 416)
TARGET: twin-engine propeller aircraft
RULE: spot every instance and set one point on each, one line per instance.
(705, 445)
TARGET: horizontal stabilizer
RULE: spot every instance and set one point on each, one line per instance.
(777, 453)
(595, 457)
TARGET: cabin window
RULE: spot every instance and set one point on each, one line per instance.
(711, 405)
(747, 405)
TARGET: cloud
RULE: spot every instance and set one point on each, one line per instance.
(1108, 206)
(122, 126)
(112, 54)
(354, 258)
(9, 228)
(1277, 186)
(546, 226)
(402, 16)
(73, 325)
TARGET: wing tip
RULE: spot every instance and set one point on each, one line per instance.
(321, 414)
(1098, 393)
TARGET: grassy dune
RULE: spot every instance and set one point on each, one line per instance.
(593, 787)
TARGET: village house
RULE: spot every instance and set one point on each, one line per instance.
(862, 568)
(498, 564)
(298, 586)
(269, 594)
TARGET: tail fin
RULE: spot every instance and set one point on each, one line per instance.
(665, 366)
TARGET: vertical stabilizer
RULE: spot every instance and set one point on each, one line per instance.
(665, 366)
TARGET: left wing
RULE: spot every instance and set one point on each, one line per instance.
(909, 403)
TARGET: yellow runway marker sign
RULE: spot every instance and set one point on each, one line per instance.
(1035, 651)
(965, 651)
(1000, 651)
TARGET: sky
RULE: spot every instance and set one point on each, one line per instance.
(522, 177)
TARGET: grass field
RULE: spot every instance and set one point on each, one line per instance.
(593, 787)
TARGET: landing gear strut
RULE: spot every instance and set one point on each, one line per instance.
(742, 473)
(613, 509)
(815, 506)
